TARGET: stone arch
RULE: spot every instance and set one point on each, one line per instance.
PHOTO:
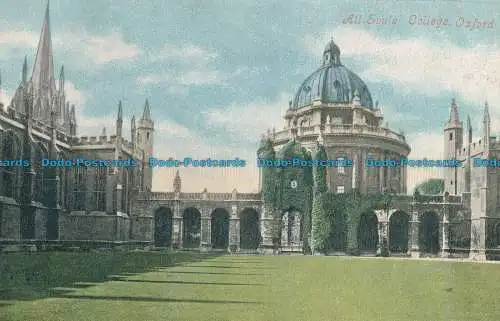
(250, 236)
(368, 232)
(496, 235)
(291, 227)
(191, 228)
(163, 220)
(219, 228)
(11, 149)
(338, 234)
(399, 225)
(429, 233)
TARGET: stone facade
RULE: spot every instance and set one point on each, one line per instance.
(115, 205)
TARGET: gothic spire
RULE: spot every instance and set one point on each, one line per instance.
(120, 111)
(454, 119)
(43, 79)
(146, 114)
(486, 113)
(177, 182)
(24, 77)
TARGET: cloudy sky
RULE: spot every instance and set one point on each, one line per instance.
(218, 73)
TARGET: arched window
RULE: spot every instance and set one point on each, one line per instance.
(80, 188)
(100, 188)
(10, 174)
(40, 179)
(125, 190)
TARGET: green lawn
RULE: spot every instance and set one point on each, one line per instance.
(195, 287)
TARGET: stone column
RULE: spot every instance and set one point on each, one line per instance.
(284, 230)
(177, 226)
(206, 229)
(364, 172)
(382, 229)
(444, 235)
(234, 230)
(413, 240)
(267, 230)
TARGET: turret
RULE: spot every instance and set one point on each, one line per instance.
(133, 132)
(145, 142)
(72, 121)
(119, 120)
(453, 141)
(61, 80)
(177, 183)
(486, 125)
(24, 75)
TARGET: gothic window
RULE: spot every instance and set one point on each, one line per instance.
(125, 191)
(451, 136)
(9, 175)
(147, 136)
(80, 188)
(100, 188)
(40, 179)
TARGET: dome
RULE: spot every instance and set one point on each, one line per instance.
(332, 83)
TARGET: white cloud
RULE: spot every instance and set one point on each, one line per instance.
(250, 120)
(187, 52)
(431, 67)
(424, 145)
(18, 38)
(73, 95)
(109, 48)
(99, 49)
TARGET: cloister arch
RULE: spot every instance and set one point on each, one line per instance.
(191, 231)
(250, 236)
(429, 233)
(219, 227)
(368, 232)
(163, 220)
(399, 224)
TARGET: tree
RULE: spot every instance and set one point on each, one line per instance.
(433, 186)
(321, 227)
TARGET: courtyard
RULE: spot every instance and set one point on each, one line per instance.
(128, 286)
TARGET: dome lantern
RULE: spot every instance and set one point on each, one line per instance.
(331, 54)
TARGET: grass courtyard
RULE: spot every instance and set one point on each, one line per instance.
(146, 286)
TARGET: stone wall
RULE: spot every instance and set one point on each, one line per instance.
(95, 226)
(141, 228)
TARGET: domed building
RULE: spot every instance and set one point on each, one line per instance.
(336, 103)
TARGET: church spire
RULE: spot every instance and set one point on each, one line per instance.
(146, 114)
(43, 70)
(454, 118)
(177, 182)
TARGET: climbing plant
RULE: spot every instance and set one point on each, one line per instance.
(321, 226)
(353, 204)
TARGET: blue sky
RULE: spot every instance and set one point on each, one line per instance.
(218, 73)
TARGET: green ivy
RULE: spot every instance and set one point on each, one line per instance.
(321, 226)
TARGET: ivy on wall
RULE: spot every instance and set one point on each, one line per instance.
(321, 223)
(327, 219)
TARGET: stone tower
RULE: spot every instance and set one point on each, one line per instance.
(145, 140)
(483, 193)
(453, 140)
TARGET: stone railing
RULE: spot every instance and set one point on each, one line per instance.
(199, 196)
(438, 199)
(334, 129)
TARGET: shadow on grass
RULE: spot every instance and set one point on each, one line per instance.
(185, 282)
(152, 299)
(213, 273)
(224, 267)
(30, 276)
